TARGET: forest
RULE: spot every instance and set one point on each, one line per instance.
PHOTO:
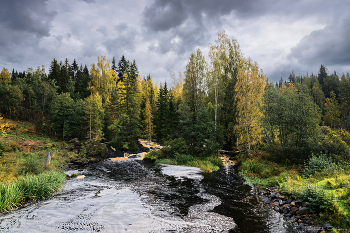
(293, 134)
(222, 100)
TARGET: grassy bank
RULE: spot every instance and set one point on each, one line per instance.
(322, 183)
(23, 175)
(30, 187)
(206, 164)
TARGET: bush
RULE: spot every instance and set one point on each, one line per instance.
(320, 164)
(174, 147)
(32, 164)
(314, 195)
(95, 148)
(153, 155)
(121, 145)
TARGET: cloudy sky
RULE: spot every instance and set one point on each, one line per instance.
(281, 35)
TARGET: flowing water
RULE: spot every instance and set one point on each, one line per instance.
(130, 196)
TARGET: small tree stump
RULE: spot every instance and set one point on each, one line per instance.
(48, 158)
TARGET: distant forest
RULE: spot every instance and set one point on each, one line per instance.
(222, 99)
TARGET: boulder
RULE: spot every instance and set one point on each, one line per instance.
(327, 227)
(303, 210)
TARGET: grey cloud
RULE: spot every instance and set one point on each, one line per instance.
(121, 27)
(102, 30)
(23, 24)
(89, 1)
(329, 46)
(124, 41)
(164, 14)
(27, 16)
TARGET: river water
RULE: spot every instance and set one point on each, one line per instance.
(131, 196)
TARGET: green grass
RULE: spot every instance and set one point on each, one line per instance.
(31, 187)
(23, 175)
(206, 164)
(328, 192)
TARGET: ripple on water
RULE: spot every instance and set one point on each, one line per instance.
(134, 197)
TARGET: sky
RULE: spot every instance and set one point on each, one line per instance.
(280, 35)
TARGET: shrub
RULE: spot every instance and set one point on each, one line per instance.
(95, 148)
(175, 146)
(153, 155)
(121, 145)
(314, 195)
(32, 164)
(317, 197)
(320, 164)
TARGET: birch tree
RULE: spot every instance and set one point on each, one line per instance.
(249, 96)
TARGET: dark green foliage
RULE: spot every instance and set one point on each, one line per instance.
(292, 115)
(174, 147)
(95, 148)
(32, 164)
(68, 117)
(10, 99)
(2, 149)
(322, 74)
(166, 118)
(199, 132)
(123, 67)
(317, 198)
(321, 164)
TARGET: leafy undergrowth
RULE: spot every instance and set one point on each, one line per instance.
(206, 164)
(23, 175)
(321, 183)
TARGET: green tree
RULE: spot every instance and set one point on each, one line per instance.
(94, 116)
(332, 108)
(291, 116)
(249, 94)
(193, 88)
(344, 90)
(5, 76)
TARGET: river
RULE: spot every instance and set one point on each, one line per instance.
(132, 196)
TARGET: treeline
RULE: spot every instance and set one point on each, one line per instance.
(223, 99)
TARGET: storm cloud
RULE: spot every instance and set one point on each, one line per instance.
(160, 35)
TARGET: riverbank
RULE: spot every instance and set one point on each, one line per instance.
(323, 194)
(24, 176)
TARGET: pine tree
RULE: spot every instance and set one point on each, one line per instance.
(322, 75)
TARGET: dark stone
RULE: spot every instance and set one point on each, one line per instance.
(272, 195)
(285, 210)
(289, 201)
(277, 209)
(327, 227)
(266, 201)
(303, 210)
(281, 203)
(278, 195)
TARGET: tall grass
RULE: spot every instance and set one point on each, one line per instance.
(31, 187)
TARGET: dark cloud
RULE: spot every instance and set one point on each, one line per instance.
(26, 16)
(329, 46)
(23, 24)
(162, 15)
